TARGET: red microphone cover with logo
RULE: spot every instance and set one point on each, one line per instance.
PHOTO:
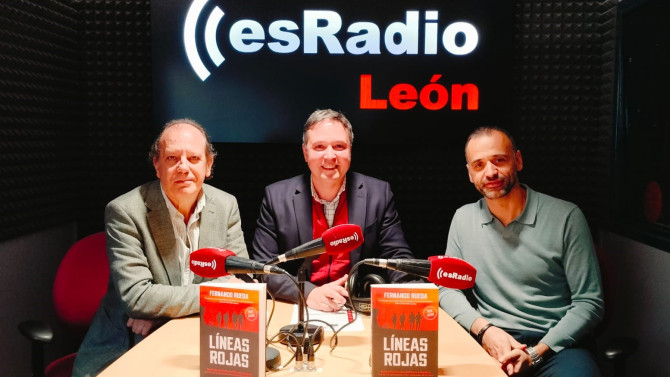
(210, 262)
(451, 272)
(342, 238)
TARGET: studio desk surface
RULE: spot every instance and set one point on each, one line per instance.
(174, 350)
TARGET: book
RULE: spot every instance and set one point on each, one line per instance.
(404, 325)
(232, 329)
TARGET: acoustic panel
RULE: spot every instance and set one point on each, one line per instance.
(40, 118)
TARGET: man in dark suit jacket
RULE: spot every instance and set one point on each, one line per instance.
(297, 210)
(150, 232)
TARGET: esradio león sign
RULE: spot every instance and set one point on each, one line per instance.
(252, 70)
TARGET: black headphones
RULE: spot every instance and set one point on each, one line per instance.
(359, 291)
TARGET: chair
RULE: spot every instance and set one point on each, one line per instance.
(615, 350)
(79, 285)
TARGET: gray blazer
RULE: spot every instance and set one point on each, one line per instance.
(145, 279)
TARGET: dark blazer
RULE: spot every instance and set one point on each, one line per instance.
(145, 279)
(285, 221)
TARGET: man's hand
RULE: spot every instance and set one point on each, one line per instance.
(519, 360)
(145, 326)
(503, 347)
(499, 343)
(329, 297)
(515, 361)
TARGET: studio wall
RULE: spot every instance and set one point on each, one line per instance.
(41, 129)
(86, 141)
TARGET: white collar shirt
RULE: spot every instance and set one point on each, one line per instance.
(186, 235)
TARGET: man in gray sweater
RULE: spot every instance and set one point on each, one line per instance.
(538, 293)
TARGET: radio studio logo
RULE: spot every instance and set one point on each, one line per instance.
(343, 240)
(200, 263)
(442, 274)
(285, 36)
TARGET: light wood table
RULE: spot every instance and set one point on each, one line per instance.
(174, 350)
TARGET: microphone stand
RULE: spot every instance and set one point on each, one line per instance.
(302, 331)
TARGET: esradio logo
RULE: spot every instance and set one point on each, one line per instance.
(200, 263)
(442, 274)
(343, 240)
(321, 31)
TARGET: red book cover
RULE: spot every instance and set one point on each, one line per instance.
(232, 329)
(405, 321)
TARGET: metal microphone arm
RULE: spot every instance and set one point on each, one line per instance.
(302, 276)
(302, 332)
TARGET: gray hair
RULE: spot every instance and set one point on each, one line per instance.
(324, 114)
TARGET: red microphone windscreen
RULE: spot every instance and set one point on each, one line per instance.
(210, 262)
(451, 272)
(342, 238)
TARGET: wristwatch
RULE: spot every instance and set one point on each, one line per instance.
(537, 359)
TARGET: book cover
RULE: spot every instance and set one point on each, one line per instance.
(232, 329)
(404, 324)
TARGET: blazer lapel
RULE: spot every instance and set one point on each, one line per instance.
(162, 232)
(356, 197)
(302, 204)
(209, 237)
(208, 233)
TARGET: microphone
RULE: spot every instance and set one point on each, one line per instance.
(450, 272)
(338, 239)
(214, 262)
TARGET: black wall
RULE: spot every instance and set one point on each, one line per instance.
(75, 120)
(40, 116)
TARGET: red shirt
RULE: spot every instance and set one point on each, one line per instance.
(326, 267)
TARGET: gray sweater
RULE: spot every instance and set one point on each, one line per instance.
(540, 273)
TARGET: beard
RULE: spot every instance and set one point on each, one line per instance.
(508, 184)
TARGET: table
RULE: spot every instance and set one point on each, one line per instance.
(174, 350)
